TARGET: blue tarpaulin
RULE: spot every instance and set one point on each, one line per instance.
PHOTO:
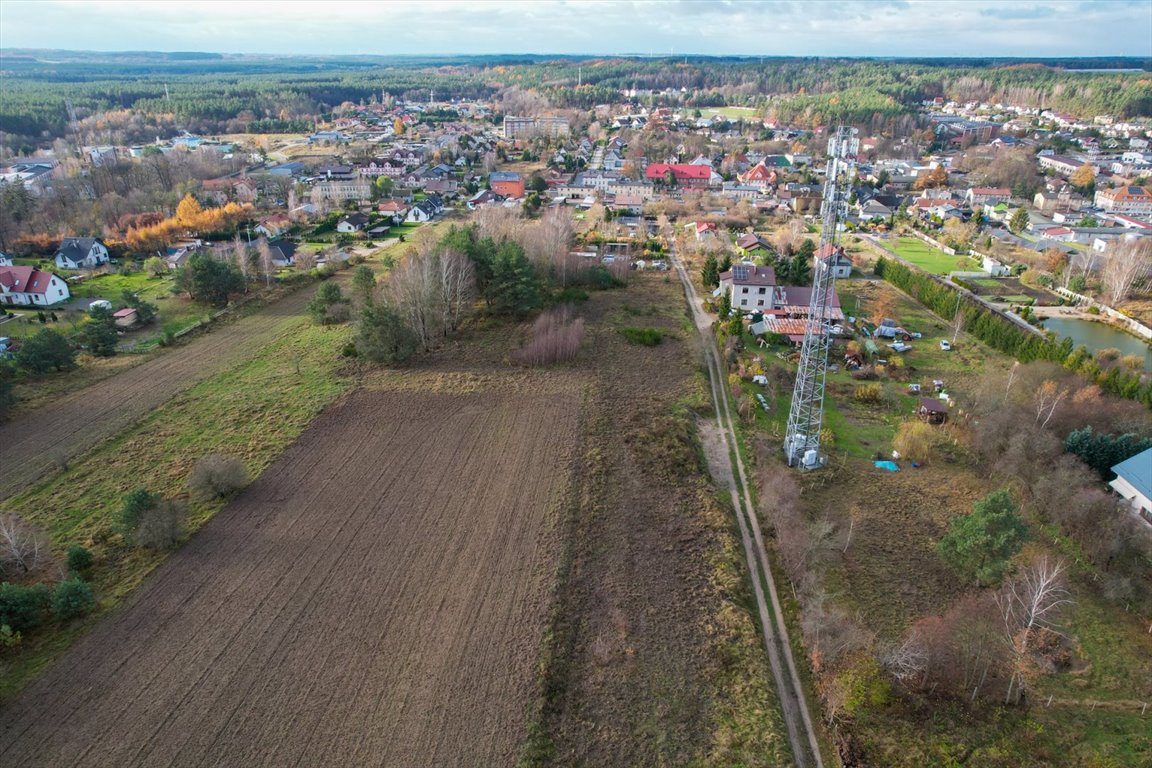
(891, 466)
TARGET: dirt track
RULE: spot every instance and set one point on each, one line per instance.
(378, 597)
(35, 443)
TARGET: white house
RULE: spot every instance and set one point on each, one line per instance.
(993, 267)
(30, 286)
(81, 253)
(352, 223)
(5, 260)
(1134, 483)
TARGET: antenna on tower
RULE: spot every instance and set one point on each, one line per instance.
(806, 415)
(167, 96)
(579, 76)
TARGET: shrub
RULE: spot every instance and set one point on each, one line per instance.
(162, 526)
(915, 440)
(648, 337)
(555, 337)
(72, 599)
(217, 476)
(23, 608)
(337, 314)
(135, 505)
(384, 336)
(867, 393)
(79, 558)
(8, 638)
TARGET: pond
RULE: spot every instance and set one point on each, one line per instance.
(1096, 336)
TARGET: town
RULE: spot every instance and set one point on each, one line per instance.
(242, 349)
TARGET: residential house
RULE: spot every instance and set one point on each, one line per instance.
(353, 222)
(753, 288)
(394, 208)
(978, 196)
(752, 244)
(5, 260)
(30, 286)
(1136, 201)
(425, 210)
(275, 225)
(759, 175)
(837, 260)
(1063, 200)
(81, 253)
(507, 184)
(993, 267)
(283, 253)
(1134, 483)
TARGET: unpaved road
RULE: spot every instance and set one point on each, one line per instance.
(718, 443)
(35, 443)
(377, 598)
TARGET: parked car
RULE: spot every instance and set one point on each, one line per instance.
(945, 344)
(760, 379)
(900, 346)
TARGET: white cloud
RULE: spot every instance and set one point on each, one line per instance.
(752, 27)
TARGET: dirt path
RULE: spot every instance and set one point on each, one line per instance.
(718, 441)
(377, 597)
(36, 443)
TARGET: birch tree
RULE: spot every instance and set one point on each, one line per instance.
(24, 548)
(1127, 269)
(1028, 603)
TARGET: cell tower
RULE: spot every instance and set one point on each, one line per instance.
(806, 416)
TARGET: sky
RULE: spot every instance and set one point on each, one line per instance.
(1019, 28)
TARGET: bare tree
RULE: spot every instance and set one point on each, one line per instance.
(305, 259)
(1126, 269)
(264, 252)
(415, 289)
(1031, 601)
(240, 255)
(24, 547)
(457, 288)
(1048, 396)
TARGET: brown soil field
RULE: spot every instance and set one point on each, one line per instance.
(35, 443)
(378, 597)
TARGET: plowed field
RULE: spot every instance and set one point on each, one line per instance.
(32, 444)
(377, 597)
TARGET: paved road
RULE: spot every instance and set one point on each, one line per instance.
(34, 444)
(789, 689)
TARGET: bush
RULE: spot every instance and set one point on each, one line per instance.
(162, 526)
(23, 608)
(79, 558)
(555, 337)
(648, 337)
(135, 505)
(8, 638)
(383, 336)
(72, 599)
(217, 477)
(867, 393)
(915, 441)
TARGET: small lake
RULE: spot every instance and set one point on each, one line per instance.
(1096, 336)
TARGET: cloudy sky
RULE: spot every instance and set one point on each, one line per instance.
(752, 27)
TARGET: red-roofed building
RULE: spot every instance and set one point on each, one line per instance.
(30, 286)
(1133, 200)
(758, 175)
(682, 174)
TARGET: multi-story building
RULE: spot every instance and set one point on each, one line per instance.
(1136, 201)
(515, 127)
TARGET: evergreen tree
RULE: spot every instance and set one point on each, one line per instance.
(513, 288)
(383, 336)
(212, 281)
(1019, 221)
(45, 351)
(99, 333)
(979, 546)
(711, 271)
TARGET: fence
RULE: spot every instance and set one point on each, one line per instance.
(1133, 326)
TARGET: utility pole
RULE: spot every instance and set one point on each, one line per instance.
(806, 415)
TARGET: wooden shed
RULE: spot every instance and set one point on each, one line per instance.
(932, 411)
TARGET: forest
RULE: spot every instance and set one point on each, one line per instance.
(216, 93)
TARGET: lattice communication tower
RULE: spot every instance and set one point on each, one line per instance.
(806, 416)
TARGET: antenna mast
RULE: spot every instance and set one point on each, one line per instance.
(806, 416)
